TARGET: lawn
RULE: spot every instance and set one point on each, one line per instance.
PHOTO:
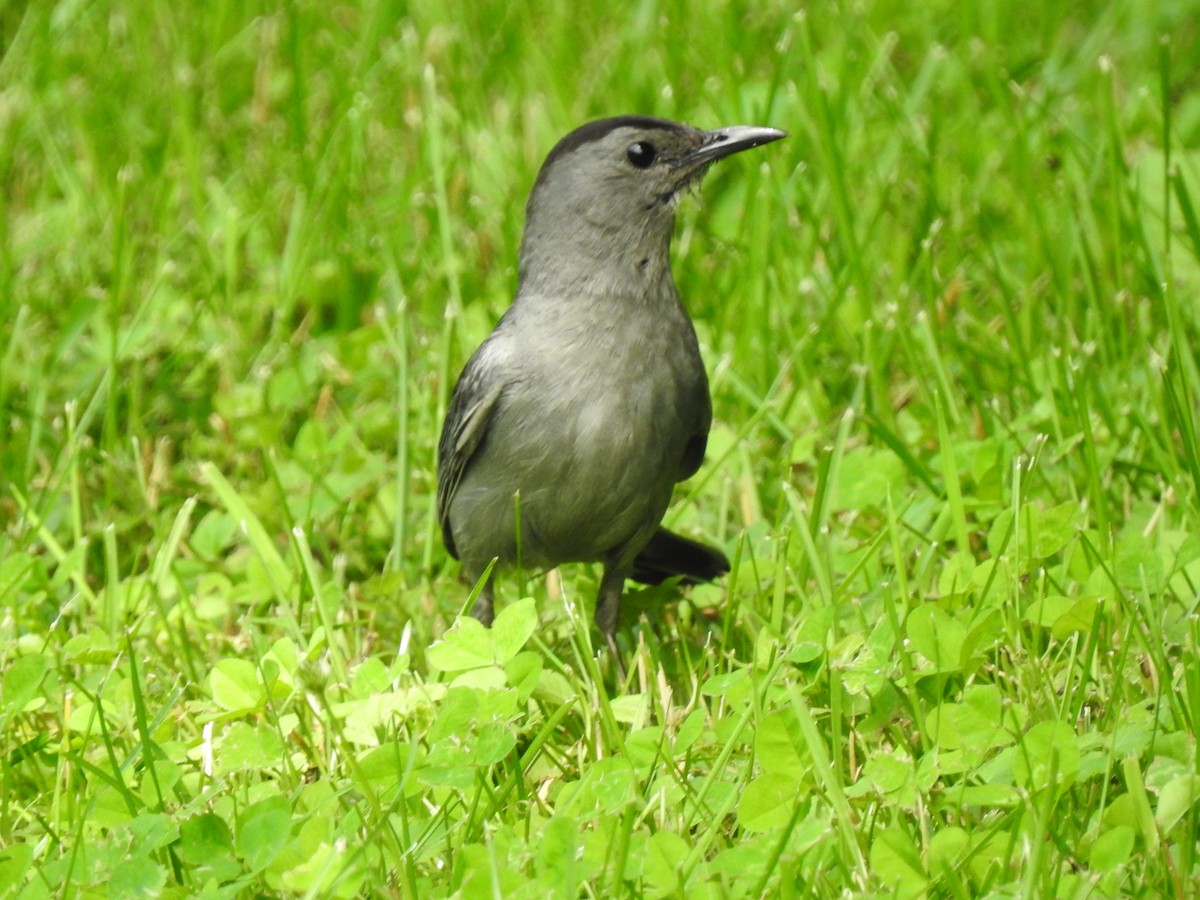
(950, 326)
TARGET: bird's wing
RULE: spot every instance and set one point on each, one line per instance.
(466, 424)
(693, 453)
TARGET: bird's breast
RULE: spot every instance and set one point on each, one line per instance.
(591, 431)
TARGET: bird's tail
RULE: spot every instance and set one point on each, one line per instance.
(669, 554)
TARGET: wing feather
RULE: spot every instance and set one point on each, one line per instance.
(471, 407)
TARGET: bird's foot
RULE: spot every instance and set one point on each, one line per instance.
(483, 610)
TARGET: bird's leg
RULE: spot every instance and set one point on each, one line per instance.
(608, 610)
(483, 609)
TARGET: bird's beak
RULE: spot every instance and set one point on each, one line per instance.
(722, 142)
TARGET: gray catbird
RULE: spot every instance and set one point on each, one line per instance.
(588, 402)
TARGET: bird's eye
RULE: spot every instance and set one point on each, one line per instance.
(641, 154)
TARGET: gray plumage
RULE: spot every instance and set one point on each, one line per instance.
(589, 401)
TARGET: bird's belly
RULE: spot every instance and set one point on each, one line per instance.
(589, 476)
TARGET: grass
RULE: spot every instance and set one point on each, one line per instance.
(950, 325)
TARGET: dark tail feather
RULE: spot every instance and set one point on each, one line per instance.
(668, 554)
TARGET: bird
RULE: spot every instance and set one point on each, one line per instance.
(572, 422)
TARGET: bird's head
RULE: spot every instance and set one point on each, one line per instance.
(605, 196)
